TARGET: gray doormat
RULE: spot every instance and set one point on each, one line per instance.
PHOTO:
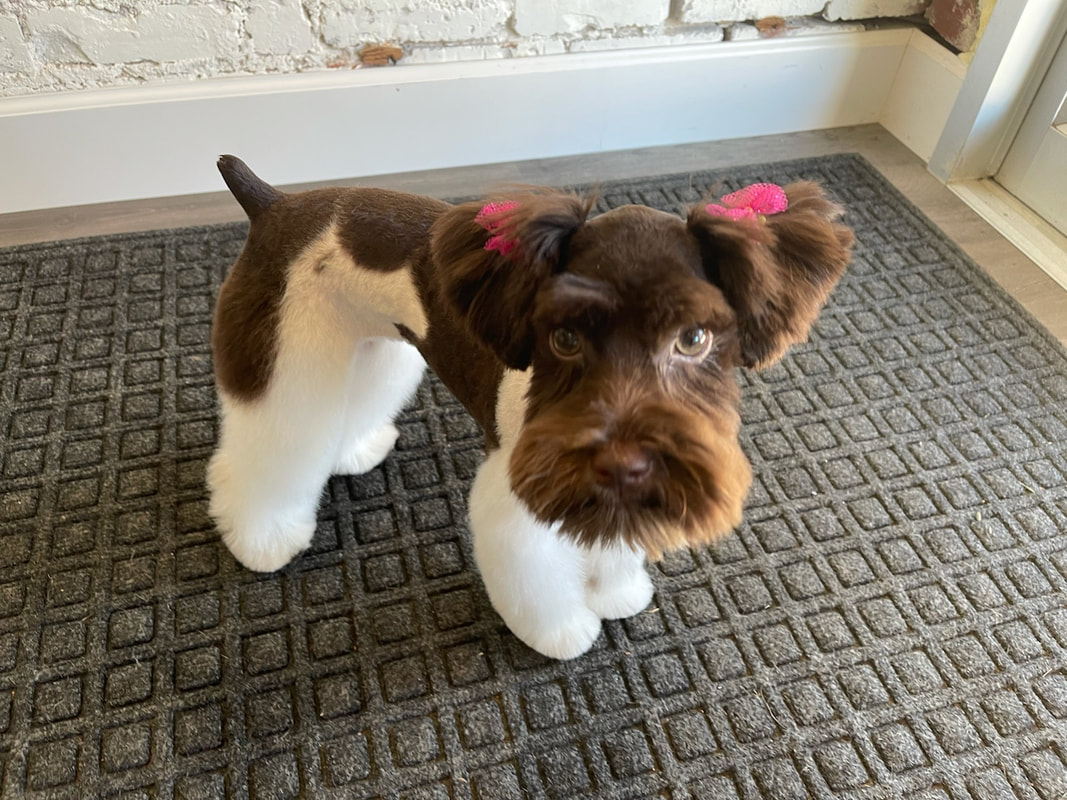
(890, 620)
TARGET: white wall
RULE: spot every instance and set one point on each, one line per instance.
(57, 45)
(73, 148)
(101, 102)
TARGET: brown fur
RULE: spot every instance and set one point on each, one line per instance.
(244, 336)
(628, 387)
(465, 364)
(777, 274)
(493, 295)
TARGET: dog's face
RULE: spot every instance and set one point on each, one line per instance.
(633, 324)
(632, 420)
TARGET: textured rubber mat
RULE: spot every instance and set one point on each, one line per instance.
(890, 620)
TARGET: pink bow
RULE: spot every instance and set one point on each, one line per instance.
(490, 218)
(759, 198)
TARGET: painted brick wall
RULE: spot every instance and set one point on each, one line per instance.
(57, 45)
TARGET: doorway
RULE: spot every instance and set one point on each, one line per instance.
(1035, 168)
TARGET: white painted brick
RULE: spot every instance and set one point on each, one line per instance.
(522, 48)
(706, 35)
(742, 10)
(14, 54)
(813, 26)
(538, 46)
(279, 27)
(84, 44)
(345, 25)
(162, 33)
(870, 9)
(440, 55)
(794, 26)
(533, 17)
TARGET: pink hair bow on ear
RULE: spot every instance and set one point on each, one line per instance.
(757, 199)
(491, 218)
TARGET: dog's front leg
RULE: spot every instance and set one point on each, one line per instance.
(534, 577)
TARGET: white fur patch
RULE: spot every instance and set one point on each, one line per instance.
(511, 405)
(372, 301)
(616, 584)
(551, 592)
(535, 579)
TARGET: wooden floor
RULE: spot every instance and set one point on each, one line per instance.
(1038, 293)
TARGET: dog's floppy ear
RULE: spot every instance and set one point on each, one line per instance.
(776, 266)
(491, 258)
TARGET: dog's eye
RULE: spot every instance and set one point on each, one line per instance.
(565, 342)
(693, 342)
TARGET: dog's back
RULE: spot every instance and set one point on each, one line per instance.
(364, 242)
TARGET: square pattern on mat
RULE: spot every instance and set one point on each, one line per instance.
(891, 617)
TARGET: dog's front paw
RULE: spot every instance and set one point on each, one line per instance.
(367, 452)
(568, 639)
(619, 599)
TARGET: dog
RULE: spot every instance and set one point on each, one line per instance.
(597, 353)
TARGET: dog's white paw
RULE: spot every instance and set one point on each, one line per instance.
(368, 452)
(619, 599)
(568, 639)
(262, 539)
(271, 546)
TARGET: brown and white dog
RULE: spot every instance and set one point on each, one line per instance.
(597, 354)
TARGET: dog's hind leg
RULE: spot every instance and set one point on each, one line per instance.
(276, 452)
(385, 374)
(534, 577)
(265, 480)
(617, 584)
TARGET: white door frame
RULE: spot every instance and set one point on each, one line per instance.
(1036, 165)
(1012, 58)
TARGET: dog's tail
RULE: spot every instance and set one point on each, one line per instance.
(253, 193)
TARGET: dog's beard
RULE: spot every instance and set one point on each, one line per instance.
(693, 495)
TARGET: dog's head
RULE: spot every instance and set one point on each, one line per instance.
(633, 323)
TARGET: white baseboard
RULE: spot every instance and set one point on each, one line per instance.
(139, 142)
(923, 93)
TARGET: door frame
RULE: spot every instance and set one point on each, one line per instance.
(999, 88)
(1040, 144)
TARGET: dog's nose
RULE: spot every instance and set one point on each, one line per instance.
(621, 464)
